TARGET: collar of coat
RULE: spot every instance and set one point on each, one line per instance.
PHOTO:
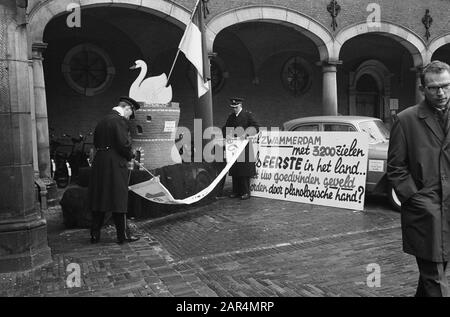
(426, 113)
(119, 110)
(425, 109)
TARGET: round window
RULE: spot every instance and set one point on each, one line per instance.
(296, 75)
(88, 69)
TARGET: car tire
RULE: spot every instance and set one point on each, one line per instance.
(393, 199)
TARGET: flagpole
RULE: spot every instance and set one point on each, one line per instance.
(195, 9)
(204, 105)
(178, 52)
(173, 65)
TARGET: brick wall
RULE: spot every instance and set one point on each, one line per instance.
(406, 13)
(269, 100)
(71, 112)
(119, 32)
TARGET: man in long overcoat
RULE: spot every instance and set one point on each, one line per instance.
(108, 186)
(241, 124)
(419, 170)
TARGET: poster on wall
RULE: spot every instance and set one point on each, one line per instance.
(323, 168)
(170, 126)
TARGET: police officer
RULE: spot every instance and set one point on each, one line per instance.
(241, 124)
(108, 186)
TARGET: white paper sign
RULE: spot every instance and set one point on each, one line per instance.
(323, 168)
(376, 166)
(393, 104)
(169, 126)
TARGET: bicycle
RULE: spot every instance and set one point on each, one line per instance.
(60, 168)
(81, 155)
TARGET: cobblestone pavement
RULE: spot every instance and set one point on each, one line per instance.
(257, 247)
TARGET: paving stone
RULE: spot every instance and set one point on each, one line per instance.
(254, 248)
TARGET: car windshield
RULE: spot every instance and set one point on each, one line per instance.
(376, 130)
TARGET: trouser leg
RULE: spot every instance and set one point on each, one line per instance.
(432, 279)
(236, 187)
(420, 291)
(244, 185)
(97, 223)
(120, 222)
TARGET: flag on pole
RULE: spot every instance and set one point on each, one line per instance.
(191, 46)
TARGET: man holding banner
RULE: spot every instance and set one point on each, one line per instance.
(241, 124)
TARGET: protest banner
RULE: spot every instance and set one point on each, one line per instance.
(323, 168)
(154, 191)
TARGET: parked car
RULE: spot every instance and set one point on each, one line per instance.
(376, 181)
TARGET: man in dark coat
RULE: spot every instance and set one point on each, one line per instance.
(241, 124)
(108, 187)
(419, 170)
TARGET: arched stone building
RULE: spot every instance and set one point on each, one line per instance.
(287, 58)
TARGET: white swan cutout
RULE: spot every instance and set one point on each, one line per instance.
(152, 89)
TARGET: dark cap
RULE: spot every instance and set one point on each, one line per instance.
(236, 101)
(133, 103)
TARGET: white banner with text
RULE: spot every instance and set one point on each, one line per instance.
(323, 168)
(154, 191)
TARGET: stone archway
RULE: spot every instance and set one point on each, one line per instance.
(403, 37)
(39, 17)
(438, 44)
(42, 13)
(304, 24)
(307, 26)
(412, 42)
(381, 75)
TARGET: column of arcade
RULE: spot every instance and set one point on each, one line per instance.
(23, 231)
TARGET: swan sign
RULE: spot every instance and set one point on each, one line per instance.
(152, 89)
(320, 168)
(154, 191)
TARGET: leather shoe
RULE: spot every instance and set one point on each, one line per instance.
(245, 197)
(128, 240)
(234, 195)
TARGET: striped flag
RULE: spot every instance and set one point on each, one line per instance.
(191, 46)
